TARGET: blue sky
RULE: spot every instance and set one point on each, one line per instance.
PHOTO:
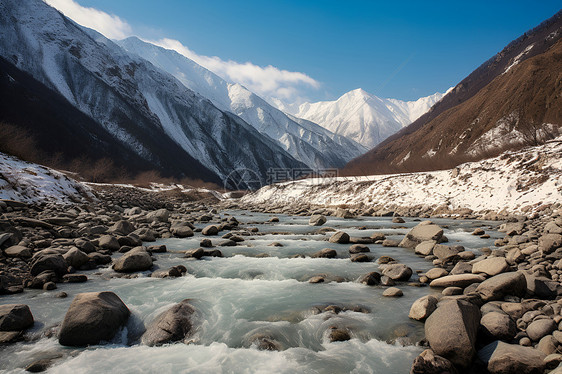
(399, 49)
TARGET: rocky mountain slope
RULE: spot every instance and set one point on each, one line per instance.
(305, 141)
(144, 108)
(364, 117)
(515, 181)
(513, 99)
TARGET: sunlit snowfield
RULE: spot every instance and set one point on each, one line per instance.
(241, 295)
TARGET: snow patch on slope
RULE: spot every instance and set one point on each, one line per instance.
(515, 181)
(32, 183)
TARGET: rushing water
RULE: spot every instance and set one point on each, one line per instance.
(241, 295)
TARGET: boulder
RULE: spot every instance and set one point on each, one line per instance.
(175, 324)
(445, 253)
(371, 279)
(122, 227)
(317, 220)
(76, 258)
(325, 253)
(397, 272)
(137, 259)
(145, 234)
(18, 251)
(459, 280)
(338, 335)
(423, 307)
(75, 278)
(425, 231)
(393, 292)
(359, 257)
(359, 248)
(451, 331)
(549, 242)
(210, 230)
(339, 237)
(174, 271)
(48, 260)
(490, 266)
(504, 358)
(498, 326)
(390, 243)
(109, 242)
(343, 213)
(182, 231)
(160, 215)
(540, 328)
(436, 273)
(461, 268)
(15, 317)
(430, 363)
(425, 248)
(501, 285)
(91, 318)
(541, 287)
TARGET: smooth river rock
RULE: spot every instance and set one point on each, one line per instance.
(175, 324)
(459, 280)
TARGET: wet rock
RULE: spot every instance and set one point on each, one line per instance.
(174, 271)
(338, 335)
(504, 358)
(359, 248)
(317, 220)
(210, 230)
(359, 257)
(459, 280)
(265, 343)
(161, 248)
(498, 326)
(491, 266)
(175, 324)
(393, 292)
(397, 272)
(227, 243)
(316, 279)
(49, 286)
(343, 213)
(423, 307)
(39, 366)
(430, 363)
(75, 278)
(501, 285)
(15, 317)
(181, 231)
(539, 328)
(451, 331)
(18, 251)
(137, 259)
(436, 273)
(206, 243)
(339, 237)
(398, 220)
(325, 253)
(371, 279)
(390, 243)
(445, 253)
(195, 253)
(376, 236)
(91, 318)
(425, 231)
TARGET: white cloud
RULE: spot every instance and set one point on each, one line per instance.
(269, 82)
(266, 81)
(109, 25)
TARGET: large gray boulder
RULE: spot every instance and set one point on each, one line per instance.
(173, 325)
(445, 253)
(137, 259)
(458, 280)
(397, 272)
(451, 331)
(160, 215)
(339, 237)
(498, 326)
(48, 260)
(15, 317)
(109, 242)
(504, 358)
(423, 307)
(430, 363)
(425, 231)
(501, 285)
(549, 242)
(91, 318)
(75, 257)
(122, 227)
(18, 251)
(491, 266)
(317, 220)
(210, 230)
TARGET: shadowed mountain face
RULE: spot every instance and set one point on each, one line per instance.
(512, 100)
(131, 105)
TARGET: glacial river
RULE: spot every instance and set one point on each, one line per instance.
(245, 294)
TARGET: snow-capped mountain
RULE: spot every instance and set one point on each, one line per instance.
(364, 117)
(304, 140)
(143, 107)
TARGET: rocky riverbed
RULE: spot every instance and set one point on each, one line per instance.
(146, 281)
